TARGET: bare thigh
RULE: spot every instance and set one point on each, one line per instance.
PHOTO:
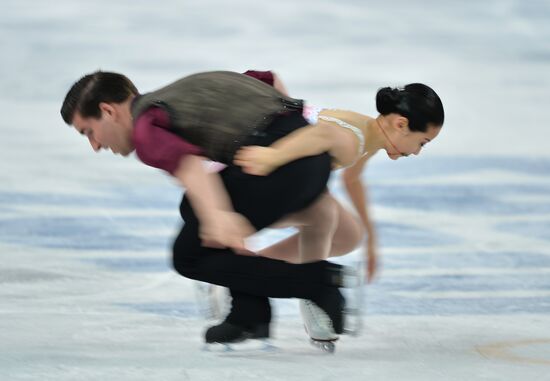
(346, 237)
(349, 232)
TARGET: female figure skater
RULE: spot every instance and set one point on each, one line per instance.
(409, 118)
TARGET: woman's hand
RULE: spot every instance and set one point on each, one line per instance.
(256, 160)
(372, 260)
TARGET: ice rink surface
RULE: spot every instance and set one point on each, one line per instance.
(86, 288)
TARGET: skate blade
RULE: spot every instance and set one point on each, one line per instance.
(327, 346)
(329, 337)
(247, 347)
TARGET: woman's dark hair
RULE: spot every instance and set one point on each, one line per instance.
(92, 89)
(416, 102)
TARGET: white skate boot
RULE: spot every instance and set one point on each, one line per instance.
(318, 326)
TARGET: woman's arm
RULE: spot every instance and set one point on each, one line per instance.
(306, 141)
(358, 194)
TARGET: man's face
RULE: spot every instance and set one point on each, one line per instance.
(106, 132)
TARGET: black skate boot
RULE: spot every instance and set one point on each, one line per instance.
(231, 333)
(232, 338)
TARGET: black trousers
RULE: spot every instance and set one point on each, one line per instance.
(263, 200)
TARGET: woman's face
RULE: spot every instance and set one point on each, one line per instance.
(403, 142)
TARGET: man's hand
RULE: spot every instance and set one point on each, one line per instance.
(225, 229)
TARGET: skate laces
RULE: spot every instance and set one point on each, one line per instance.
(319, 316)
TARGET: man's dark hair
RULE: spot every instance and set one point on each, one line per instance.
(89, 91)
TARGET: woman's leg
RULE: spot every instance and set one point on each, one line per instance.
(315, 238)
(315, 222)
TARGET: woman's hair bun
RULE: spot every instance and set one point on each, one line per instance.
(387, 100)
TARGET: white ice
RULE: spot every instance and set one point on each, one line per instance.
(86, 289)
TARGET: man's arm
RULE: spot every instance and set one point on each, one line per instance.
(220, 225)
(204, 189)
(156, 146)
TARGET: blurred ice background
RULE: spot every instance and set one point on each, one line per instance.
(86, 288)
